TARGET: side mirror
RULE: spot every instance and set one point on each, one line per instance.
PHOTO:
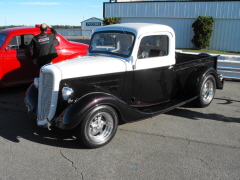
(7, 48)
(144, 54)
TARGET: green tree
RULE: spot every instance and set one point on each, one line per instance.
(202, 28)
(111, 20)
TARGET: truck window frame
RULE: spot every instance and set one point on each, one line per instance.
(109, 52)
(154, 45)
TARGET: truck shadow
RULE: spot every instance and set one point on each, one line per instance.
(227, 101)
(193, 115)
(16, 124)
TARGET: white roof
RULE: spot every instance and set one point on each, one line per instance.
(137, 28)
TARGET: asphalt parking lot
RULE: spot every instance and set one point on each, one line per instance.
(186, 143)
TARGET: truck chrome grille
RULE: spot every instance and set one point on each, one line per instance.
(45, 95)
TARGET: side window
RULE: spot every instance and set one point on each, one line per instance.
(20, 42)
(153, 46)
(55, 42)
(28, 39)
(15, 42)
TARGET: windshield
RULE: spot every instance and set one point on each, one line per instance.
(2, 39)
(118, 43)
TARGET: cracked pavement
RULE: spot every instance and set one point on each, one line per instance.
(186, 143)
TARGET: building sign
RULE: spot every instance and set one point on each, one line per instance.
(93, 24)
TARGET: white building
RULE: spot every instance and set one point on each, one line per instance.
(181, 15)
(89, 25)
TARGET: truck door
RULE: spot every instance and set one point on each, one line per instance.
(153, 71)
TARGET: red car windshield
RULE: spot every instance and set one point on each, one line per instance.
(2, 39)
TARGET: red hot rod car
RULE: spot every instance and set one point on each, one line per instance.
(16, 64)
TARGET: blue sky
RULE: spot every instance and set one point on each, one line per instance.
(52, 12)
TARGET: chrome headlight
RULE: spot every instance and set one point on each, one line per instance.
(67, 94)
(36, 82)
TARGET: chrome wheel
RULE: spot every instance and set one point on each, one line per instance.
(100, 127)
(208, 91)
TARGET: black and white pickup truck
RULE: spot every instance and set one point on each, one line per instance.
(131, 72)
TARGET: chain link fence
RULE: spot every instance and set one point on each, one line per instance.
(73, 32)
(76, 34)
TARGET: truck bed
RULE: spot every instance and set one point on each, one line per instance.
(182, 58)
(186, 64)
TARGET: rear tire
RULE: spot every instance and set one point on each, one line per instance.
(207, 91)
(98, 127)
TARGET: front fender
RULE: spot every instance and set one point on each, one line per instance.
(75, 113)
(31, 99)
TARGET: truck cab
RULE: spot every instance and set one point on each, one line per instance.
(131, 72)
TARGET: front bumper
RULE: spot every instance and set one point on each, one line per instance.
(31, 101)
(220, 82)
(43, 123)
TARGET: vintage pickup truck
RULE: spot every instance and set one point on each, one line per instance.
(131, 72)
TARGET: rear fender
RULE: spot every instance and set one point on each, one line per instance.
(75, 113)
(73, 56)
(197, 76)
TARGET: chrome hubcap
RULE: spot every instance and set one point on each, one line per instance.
(208, 91)
(100, 127)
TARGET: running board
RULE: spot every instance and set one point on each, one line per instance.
(165, 107)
